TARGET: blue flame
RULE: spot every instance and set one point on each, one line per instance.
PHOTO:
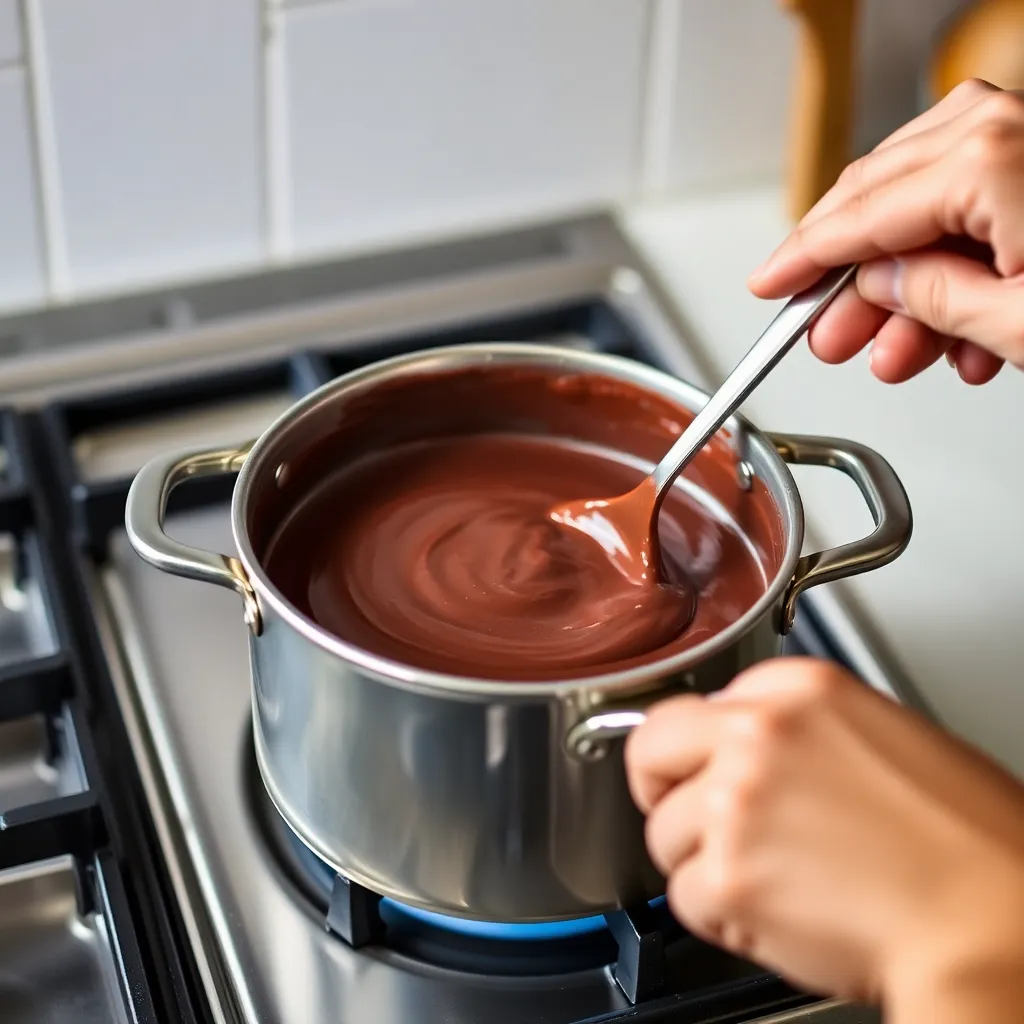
(531, 931)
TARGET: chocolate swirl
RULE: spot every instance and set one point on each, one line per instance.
(442, 554)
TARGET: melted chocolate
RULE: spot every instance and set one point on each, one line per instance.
(429, 540)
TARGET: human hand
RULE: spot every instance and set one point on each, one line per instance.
(944, 195)
(807, 823)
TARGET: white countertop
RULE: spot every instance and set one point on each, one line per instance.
(952, 606)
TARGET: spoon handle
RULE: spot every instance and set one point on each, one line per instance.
(778, 338)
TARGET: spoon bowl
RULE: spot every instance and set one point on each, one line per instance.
(626, 526)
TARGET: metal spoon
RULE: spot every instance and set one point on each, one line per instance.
(626, 526)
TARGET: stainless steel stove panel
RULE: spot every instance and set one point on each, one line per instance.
(56, 965)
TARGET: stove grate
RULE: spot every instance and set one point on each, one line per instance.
(77, 825)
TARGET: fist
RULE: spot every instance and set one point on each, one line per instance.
(807, 823)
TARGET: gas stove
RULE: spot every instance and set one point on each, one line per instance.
(144, 874)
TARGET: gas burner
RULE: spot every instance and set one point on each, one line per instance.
(634, 943)
(543, 931)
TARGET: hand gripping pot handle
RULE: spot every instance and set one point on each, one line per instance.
(890, 508)
(144, 520)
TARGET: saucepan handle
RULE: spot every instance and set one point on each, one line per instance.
(589, 738)
(885, 497)
(880, 487)
(144, 519)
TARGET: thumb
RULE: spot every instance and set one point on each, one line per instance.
(953, 295)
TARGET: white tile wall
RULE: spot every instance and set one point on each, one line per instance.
(21, 267)
(733, 76)
(407, 116)
(155, 112)
(10, 32)
(732, 84)
(188, 138)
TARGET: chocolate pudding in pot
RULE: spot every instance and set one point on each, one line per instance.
(425, 532)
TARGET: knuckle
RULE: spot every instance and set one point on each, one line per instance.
(728, 889)
(671, 830)
(688, 899)
(692, 913)
(768, 725)
(644, 747)
(972, 88)
(804, 236)
(860, 202)
(738, 939)
(935, 300)
(761, 726)
(814, 687)
(1003, 107)
(989, 145)
(645, 789)
(746, 776)
(655, 840)
(734, 804)
(644, 783)
(665, 714)
(852, 174)
(860, 208)
(779, 689)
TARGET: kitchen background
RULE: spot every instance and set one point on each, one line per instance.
(144, 142)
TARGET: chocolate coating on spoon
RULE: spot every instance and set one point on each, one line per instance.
(441, 553)
(621, 527)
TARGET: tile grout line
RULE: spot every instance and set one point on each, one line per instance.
(44, 152)
(655, 157)
(284, 5)
(276, 157)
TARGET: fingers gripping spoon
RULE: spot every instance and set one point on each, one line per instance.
(626, 526)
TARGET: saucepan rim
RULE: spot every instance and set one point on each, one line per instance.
(757, 451)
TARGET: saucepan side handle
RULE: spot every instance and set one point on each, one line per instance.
(881, 489)
(144, 519)
(589, 738)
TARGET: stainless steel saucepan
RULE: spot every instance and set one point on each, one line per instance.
(478, 798)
